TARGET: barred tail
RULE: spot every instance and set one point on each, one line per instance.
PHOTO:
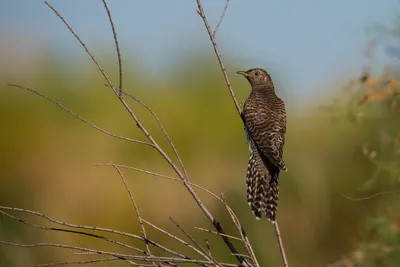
(271, 196)
(262, 186)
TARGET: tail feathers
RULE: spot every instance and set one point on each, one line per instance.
(262, 187)
(271, 197)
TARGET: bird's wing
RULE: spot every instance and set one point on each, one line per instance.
(267, 129)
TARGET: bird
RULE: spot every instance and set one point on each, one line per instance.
(264, 118)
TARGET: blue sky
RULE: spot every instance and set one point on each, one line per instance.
(307, 44)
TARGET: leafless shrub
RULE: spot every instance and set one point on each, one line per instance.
(147, 256)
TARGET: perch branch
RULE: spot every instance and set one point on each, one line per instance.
(200, 11)
(280, 243)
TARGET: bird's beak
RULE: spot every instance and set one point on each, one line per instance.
(243, 73)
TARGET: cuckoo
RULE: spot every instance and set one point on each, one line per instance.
(264, 118)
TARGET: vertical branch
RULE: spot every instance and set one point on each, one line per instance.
(280, 243)
(116, 46)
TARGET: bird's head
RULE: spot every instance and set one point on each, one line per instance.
(257, 77)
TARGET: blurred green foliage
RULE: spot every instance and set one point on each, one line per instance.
(370, 105)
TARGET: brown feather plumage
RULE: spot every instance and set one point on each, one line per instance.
(264, 117)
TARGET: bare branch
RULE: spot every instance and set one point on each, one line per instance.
(99, 252)
(208, 247)
(280, 243)
(243, 255)
(116, 46)
(92, 228)
(175, 238)
(221, 18)
(370, 197)
(208, 214)
(216, 233)
(84, 47)
(72, 231)
(75, 262)
(194, 185)
(200, 11)
(118, 255)
(209, 257)
(79, 117)
(110, 84)
(163, 130)
(162, 176)
(243, 235)
(135, 206)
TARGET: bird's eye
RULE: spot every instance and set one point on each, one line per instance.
(256, 73)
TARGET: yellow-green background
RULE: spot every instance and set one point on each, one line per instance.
(47, 163)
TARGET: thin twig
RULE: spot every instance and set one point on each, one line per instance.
(75, 262)
(92, 228)
(216, 233)
(243, 255)
(200, 11)
(208, 247)
(209, 257)
(99, 67)
(162, 176)
(163, 130)
(135, 206)
(221, 18)
(116, 46)
(123, 102)
(72, 231)
(118, 255)
(280, 243)
(215, 223)
(243, 234)
(79, 117)
(175, 238)
(99, 252)
(370, 197)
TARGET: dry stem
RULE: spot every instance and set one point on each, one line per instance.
(135, 206)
